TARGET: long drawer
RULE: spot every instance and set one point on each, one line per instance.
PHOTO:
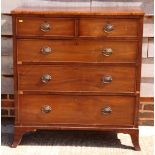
(35, 50)
(34, 26)
(77, 78)
(86, 110)
(108, 27)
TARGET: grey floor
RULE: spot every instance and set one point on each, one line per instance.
(74, 142)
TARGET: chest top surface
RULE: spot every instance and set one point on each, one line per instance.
(38, 10)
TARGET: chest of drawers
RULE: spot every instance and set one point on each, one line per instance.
(77, 69)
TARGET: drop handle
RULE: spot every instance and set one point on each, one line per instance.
(45, 27)
(106, 110)
(46, 50)
(46, 78)
(106, 79)
(108, 28)
(46, 109)
(107, 51)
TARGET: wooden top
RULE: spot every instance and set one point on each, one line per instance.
(37, 10)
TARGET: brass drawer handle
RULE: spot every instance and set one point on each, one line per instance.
(46, 78)
(46, 50)
(107, 79)
(107, 51)
(108, 28)
(106, 110)
(46, 109)
(45, 27)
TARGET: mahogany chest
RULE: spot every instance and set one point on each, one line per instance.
(77, 69)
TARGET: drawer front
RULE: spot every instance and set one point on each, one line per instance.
(45, 26)
(77, 78)
(109, 27)
(76, 50)
(86, 110)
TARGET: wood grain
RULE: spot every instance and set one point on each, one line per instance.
(59, 26)
(84, 110)
(121, 27)
(76, 91)
(78, 10)
(78, 50)
(76, 78)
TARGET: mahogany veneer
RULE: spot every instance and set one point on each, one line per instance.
(94, 27)
(77, 78)
(77, 69)
(76, 109)
(31, 26)
(68, 50)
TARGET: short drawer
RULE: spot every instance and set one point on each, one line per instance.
(33, 26)
(81, 50)
(86, 110)
(101, 27)
(77, 78)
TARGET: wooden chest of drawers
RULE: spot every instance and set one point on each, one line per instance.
(77, 69)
